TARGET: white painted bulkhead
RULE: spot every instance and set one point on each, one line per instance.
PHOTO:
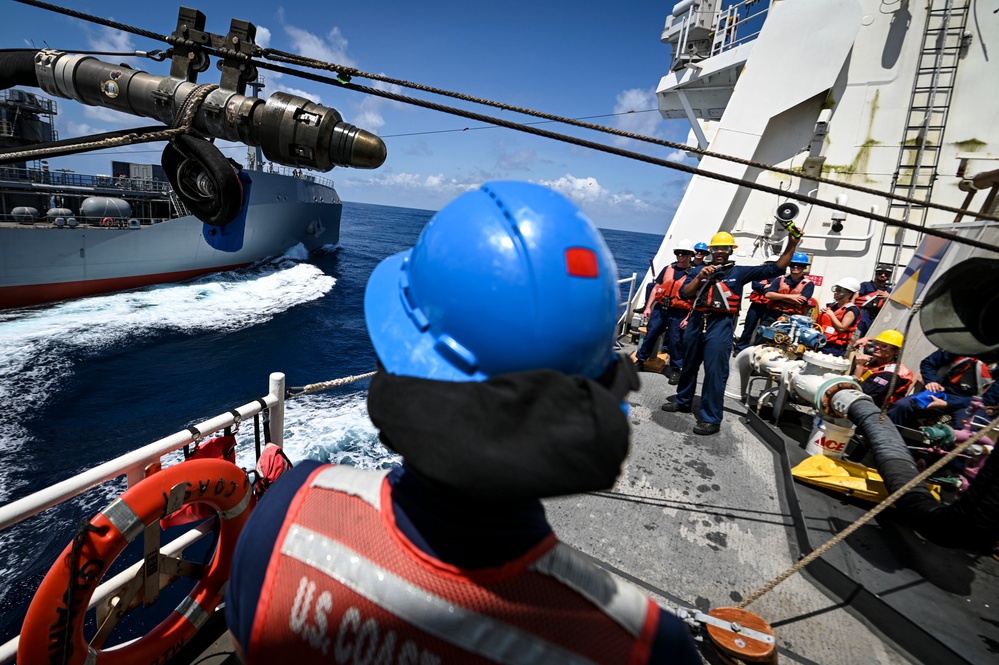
(852, 64)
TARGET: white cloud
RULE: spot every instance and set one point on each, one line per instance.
(676, 156)
(577, 189)
(635, 104)
(263, 37)
(331, 49)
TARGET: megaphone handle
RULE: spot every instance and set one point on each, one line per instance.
(792, 229)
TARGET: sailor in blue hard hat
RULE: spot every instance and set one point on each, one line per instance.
(790, 294)
(491, 407)
(701, 252)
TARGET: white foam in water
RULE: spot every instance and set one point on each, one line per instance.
(37, 346)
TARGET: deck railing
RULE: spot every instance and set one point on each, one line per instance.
(133, 466)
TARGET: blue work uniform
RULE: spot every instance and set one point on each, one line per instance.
(708, 339)
(907, 412)
(773, 312)
(665, 320)
(867, 314)
(754, 314)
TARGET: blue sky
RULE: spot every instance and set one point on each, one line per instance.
(585, 59)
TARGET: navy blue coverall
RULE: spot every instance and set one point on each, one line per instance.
(664, 320)
(772, 313)
(708, 339)
(906, 412)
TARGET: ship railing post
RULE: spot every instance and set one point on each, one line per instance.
(277, 411)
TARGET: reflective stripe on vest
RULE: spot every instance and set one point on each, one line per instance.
(838, 337)
(346, 581)
(785, 289)
(717, 297)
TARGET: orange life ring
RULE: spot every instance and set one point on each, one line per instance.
(107, 221)
(48, 635)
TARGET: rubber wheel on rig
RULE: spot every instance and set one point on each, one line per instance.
(203, 179)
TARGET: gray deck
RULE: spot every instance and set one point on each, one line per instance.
(701, 522)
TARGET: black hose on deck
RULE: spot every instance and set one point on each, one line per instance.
(971, 522)
(18, 68)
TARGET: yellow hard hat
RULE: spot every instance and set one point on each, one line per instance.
(891, 337)
(722, 239)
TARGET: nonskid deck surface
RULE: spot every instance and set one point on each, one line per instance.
(701, 521)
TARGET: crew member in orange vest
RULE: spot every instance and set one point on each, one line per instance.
(875, 374)
(839, 318)
(449, 558)
(716, 294)
(758, 305)
(871, 297)
(789, 294)
(665, 312)
(950, 381)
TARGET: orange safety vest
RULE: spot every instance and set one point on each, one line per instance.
(862, 300)
(717, 297)
(758, 296)
(838, 337)
(345, 584)
(785, 289)
(966, 375)
(668, 292)
(902, 383)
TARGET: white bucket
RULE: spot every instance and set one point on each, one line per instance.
(828, 439)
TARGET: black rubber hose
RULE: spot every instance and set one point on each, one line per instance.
(971, 522)
(18, 68)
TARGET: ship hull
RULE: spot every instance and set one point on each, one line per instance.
(44, 263)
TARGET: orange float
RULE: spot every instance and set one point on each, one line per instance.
(53, 627)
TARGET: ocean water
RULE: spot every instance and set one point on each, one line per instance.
(82, 382)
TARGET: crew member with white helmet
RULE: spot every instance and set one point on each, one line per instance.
(839, 319)
(449, 558)
(666, 310)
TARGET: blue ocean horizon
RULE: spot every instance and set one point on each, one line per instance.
(84, 381)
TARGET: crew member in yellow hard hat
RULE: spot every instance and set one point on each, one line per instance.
(875, 373)
(716, 291)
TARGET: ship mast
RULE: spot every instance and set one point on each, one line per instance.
(255, 154)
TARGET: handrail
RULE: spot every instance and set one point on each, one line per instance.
(623, 321)
(134, 463)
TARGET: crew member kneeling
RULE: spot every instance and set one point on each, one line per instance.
(449, 559)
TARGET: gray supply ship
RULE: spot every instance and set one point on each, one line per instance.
(66, 235)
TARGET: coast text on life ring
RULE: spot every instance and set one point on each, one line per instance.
(53, 627)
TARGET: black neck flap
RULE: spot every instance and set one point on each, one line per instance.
(525, 435)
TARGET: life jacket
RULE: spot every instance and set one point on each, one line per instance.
(668, 292)
(272, 463)
(345, 584)
(965, 376)
(785, 288)
(716, 296)
(759, 297)
(902, 383)
(871, 301)
(838, 337)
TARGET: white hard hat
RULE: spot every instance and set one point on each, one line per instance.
(686, 245)
(849, 283)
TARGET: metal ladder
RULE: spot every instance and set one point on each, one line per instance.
(919, 153)
(178, 205)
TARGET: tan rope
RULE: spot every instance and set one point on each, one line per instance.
(874, 512)
(326, 385)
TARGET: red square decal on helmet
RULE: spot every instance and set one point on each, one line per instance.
(581, 262)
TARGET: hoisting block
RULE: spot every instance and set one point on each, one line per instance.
(740, 636)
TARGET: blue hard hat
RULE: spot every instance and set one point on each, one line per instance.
(801, 257)
(703, 246)
(507, 278)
